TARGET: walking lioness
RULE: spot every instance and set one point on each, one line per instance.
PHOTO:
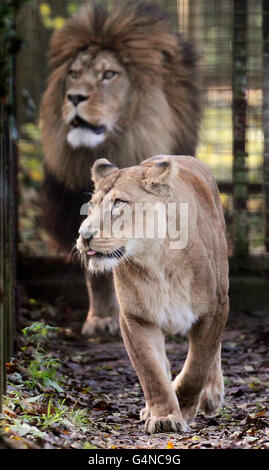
(164, 285)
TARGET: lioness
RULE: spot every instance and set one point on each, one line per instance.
(161, 287)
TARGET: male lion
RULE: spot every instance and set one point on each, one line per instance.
(163, 287)
(122, 84)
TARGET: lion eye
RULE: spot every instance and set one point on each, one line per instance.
(73, 74)
(108, 74)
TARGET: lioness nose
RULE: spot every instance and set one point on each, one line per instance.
(86, 234)
(76, 99)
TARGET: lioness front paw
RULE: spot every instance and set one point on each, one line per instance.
(101, 327)
(168, 423)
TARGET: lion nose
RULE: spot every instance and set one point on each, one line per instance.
(76, 99)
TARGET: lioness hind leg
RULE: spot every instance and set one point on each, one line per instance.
(212, 395)
(204, 351)
(102, 319)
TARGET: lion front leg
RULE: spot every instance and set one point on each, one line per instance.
(144, 343)
(202, 369)
(103, 316)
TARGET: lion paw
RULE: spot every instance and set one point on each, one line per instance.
(165, 424)
(101, 327)
(144, 414)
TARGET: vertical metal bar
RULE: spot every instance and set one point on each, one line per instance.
(8, 244)
(2, 334)
(239, 111)
(265, 30)
(2, 362)
(8, 169)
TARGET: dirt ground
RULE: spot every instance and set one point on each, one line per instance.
(98, 401)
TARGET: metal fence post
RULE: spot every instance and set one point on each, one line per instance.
(8, 170)
(239, 113)
(265, 29)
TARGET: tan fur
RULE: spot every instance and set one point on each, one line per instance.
(162, 290)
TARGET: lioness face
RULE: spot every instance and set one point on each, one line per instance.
(96, 97)
(115, 228)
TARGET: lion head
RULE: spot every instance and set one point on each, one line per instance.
(96, 98)
(122, 84)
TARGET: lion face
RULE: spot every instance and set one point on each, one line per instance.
(96, 97)
(125, 214)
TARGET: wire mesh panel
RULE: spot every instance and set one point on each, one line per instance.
(216, 28)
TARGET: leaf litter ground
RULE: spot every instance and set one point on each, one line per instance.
(79, 393)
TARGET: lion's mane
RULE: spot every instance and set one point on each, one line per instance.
(164, 117)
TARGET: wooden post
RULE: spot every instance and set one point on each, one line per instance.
(265, 30)
(239, 111)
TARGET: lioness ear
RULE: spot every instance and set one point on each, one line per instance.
(159, 175)
(102, 168)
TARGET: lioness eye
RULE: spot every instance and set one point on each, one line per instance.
(119, 202)
(108, 74)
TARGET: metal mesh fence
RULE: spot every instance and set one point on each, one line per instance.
(211, 26)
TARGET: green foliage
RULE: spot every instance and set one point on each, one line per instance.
(72, 8)
(42, 369)
(41, 413)
(39, 333)
(10, 44)
(48, 20)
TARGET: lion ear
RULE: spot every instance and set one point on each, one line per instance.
(159, 175)
(102, 168)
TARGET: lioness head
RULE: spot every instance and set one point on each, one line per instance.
(121, 224)
(97, 92)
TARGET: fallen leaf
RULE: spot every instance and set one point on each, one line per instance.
(170, 445)
(10, 413)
